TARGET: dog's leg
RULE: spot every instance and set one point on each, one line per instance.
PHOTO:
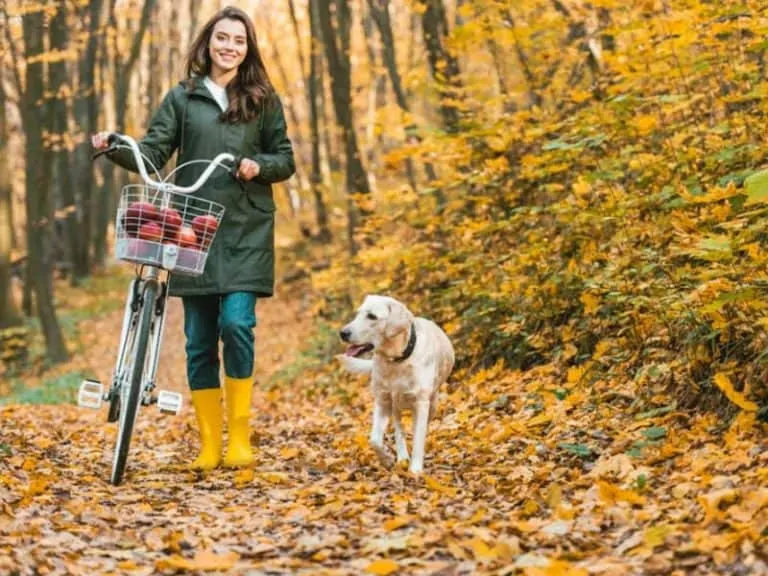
(420, 424)
(381, 412)
(401, 446)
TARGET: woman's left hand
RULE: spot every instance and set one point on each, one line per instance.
(248, 169)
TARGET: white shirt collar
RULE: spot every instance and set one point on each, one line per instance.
(219, 93)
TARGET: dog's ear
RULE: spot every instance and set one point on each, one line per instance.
(399, 319)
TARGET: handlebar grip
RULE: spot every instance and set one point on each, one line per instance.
(236, 164)
(113, 138)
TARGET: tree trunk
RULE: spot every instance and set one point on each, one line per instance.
(86, 114)
(122, 71)
(194, 14)
(376, 94)
(106, 195)
(316, 177)
(442, 65)
(294, 199)
(9, 313)
(175, 64)
(356, 180)
(36, 114)
(154, 66)
(380, 14)
(60, 88)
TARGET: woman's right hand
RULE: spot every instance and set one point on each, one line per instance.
(100, 140)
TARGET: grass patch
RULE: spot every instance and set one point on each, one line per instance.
(60, 390)
(93, 298)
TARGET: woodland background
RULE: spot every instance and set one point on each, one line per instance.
(572, 189)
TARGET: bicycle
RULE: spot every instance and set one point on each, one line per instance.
(164, 229)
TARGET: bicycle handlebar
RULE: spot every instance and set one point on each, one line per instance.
(115, 137)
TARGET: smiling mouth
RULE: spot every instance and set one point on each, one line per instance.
(357, 350)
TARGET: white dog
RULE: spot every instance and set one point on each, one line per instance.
(412, 357)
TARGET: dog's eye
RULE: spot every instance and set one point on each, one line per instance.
(371, 316)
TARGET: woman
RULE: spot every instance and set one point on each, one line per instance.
(226, 104)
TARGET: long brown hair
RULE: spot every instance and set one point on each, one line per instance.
(251, 87)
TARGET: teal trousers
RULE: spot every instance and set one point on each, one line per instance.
(230, 318)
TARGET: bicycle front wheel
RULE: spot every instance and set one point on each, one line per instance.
(130, 405)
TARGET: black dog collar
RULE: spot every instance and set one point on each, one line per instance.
(409, 348)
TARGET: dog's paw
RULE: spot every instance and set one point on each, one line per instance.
(385, 454)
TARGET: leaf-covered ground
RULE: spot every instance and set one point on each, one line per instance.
(526, 473)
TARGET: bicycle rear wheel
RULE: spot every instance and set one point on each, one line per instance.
(130, 405)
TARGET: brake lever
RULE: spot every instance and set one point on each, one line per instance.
(111, 148)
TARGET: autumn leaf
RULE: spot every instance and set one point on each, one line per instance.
(382, 567)
(756, 186)
(435, 485)
(722, 381)
(399, 522)
(611, 494)
(289, 452)
(203, 561)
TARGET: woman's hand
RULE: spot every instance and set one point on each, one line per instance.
(100, 140)
(248, 169)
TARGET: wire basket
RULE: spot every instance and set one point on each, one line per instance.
(166, 229)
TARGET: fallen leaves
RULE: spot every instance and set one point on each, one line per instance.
(203, 561)
(726, 386)
(500, 495)
(382, 567)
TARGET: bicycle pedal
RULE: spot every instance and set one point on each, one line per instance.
(90, 394)
(169, 402)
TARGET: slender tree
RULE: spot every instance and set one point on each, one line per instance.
(123, 70)
(9, 313)
(336, 39)
(313, 94)
(36, 114)
(86, 108)
(60, 91)
(381, 16)
(442, 64)
(294, 198)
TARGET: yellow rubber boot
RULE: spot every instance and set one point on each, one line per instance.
(238, 392)
(208, 410)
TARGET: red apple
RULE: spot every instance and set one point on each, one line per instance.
(171, 221)
(186, 237)
(205, 225)
(151, 231)
(137, 214)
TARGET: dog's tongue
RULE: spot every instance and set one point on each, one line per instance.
(354, 349)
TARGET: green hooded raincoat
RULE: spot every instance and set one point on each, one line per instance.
(241, 257)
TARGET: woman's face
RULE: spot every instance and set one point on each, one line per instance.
(228, 45)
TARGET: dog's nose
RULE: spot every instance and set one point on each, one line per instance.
(345, 334)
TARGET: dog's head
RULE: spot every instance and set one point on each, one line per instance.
(378, 319)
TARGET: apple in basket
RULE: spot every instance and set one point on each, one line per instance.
(137, 214)
(170, 221)
(187, 237)
(205, 225)
(151, 230)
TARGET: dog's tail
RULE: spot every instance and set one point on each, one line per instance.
(355, 365)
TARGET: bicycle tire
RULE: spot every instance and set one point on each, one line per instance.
(128, 410)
